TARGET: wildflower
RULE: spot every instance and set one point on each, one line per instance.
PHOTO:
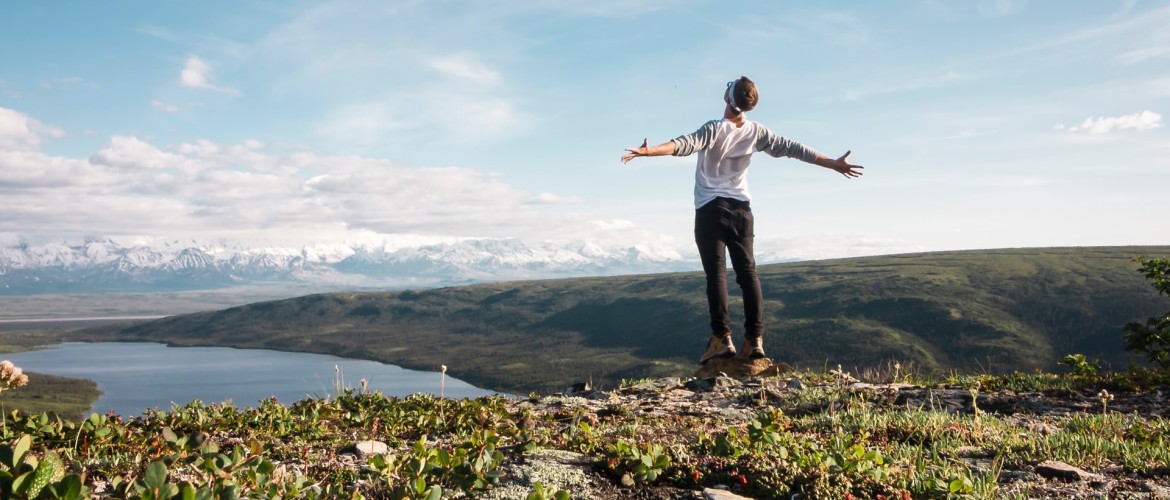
(11, 376)
(1105, 398)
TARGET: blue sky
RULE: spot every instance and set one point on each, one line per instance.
(981, 124)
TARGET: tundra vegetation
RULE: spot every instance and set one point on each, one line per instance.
(827, 440)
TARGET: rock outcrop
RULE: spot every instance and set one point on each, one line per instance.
(741, 368)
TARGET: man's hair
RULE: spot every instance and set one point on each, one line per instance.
(744, 94)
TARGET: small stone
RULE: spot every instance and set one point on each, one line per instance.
(718, 494)
(1103, 484)
(597, 395)
(700, 384)
(627, 480)
(795, 384)
(364, 449)
(1043, 428)
(578, 388)
(668, 383)
(1014, 476)
(1052, 469)
(709, 384)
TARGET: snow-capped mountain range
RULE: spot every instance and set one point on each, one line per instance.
(101, 264)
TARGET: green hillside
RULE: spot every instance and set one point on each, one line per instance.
(992, 310)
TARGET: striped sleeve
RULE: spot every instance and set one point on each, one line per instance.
(776, 146)
(685, 145)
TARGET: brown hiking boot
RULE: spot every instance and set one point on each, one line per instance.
(719, 346)
(753, 348)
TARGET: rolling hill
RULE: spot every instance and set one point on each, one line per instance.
(987, 310)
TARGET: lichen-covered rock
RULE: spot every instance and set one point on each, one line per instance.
(562, 470)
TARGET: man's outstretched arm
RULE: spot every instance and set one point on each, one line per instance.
(666, 148)
(840, 165)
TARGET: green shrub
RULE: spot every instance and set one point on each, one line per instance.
(1081, 366)
(1153, 337)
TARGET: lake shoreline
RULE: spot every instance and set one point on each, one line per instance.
(136, 376)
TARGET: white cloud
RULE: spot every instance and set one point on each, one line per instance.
(470, 117)
(553, 199)
(361, 123)
(1127, 26)
(68, 82)
(466, 67)
(195, 74)
(399, 73)
(970, 134)
(32, 169)
(202, 189)
(198, 74)
(1144, 54)
(612, 224)
(908, 85)
(483, 119)
(164, 107)
(999, 8)
(22, 133)
(1141, 122)
(134, 153)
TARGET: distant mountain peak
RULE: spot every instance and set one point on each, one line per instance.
(102, 264)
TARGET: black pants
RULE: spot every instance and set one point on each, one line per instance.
(724, 226)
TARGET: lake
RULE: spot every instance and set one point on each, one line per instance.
(136, 376)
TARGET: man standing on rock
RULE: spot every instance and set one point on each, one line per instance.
(723, 214)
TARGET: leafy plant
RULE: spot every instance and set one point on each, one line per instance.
(542, 492)
(1153, 337)
(1080, 365)
(643, 463)
(22, 475)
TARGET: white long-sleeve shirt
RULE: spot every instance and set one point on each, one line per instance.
(725, 151)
